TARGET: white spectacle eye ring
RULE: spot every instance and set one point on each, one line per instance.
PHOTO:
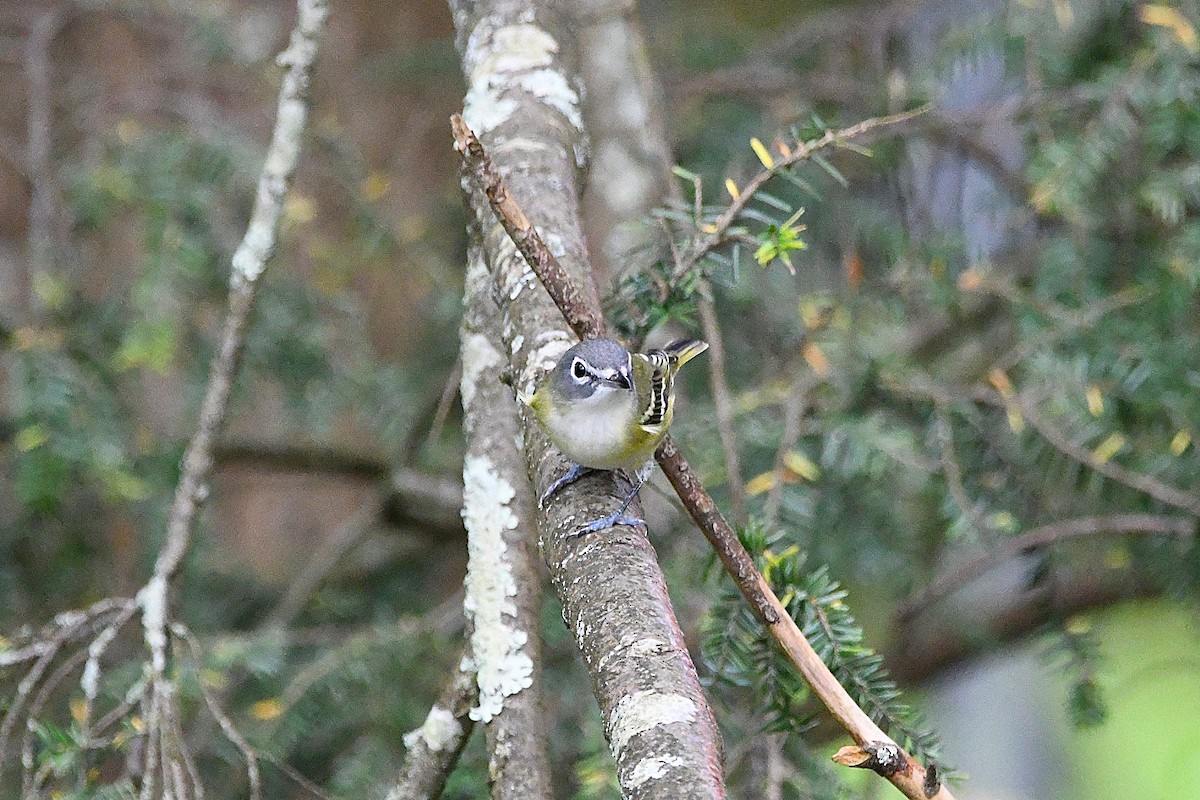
(579, 371)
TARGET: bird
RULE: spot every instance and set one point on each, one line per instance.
(606, 408)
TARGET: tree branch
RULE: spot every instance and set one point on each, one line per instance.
(165, 764)
(249, 262)
(503, 588)
(433, 749)
(921, 652)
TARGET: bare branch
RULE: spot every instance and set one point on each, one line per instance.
(920, 652)
(583, 318)
(345, 537)
(1055, 532)
(952, 469)
(214, 708)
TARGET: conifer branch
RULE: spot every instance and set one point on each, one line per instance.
(707, 237)
(1147, 484)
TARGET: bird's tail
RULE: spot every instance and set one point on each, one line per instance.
(684, 350)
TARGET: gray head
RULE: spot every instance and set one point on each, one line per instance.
(594, 368)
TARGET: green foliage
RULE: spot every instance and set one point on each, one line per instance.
(1078, 654)
(779, 240)
(649, 298)
(740, 652)
(705, 247)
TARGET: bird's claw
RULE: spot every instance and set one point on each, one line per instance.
(604, 523)
(576, 472)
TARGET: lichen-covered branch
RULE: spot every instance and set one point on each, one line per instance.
(249, 262)
(503, 588)
(433, 748)
(521, 100)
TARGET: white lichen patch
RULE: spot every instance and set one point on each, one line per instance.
(513, 57)
(644, 647)
(503, 668)
(517, 48)
(552, 88)
(650, 768)
(439, 729)
(644, 711)
(481, 362)
(543, 358)
(523, 281)
(522, 145)
(484, 109)
(492, 57)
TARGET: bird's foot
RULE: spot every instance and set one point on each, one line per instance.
(617, 518)
(604, 523)
(576, 472)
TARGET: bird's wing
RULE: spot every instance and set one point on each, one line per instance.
(655, 398)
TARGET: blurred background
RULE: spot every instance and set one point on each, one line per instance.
(991, 332)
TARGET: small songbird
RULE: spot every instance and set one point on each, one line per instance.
(607, 409)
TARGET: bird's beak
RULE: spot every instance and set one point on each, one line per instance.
(619, 378)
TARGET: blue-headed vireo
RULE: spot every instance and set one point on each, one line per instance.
(608, 409)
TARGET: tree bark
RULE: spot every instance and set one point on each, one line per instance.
(522, 102)
(503, 598)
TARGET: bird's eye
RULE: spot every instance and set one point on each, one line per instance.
(578, 370)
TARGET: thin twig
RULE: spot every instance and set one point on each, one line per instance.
(724, 406)
(952, 469)
(794, 407)
(904, 772)
(444, 404)
(580, 315)
(1062, 531)
(348, 534)
(249, 755)
(249, 262)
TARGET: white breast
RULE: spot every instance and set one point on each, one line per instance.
(594, 432)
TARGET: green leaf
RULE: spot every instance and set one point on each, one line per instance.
(148, 343)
